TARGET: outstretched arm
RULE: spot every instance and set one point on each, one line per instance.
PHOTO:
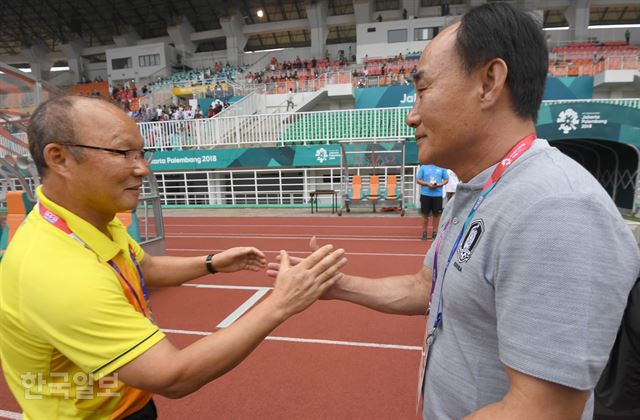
(173, 271)
(400, 294)
(173, 373)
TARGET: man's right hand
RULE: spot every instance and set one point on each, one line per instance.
(298, 286)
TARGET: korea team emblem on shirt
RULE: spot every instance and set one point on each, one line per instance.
(470, 240)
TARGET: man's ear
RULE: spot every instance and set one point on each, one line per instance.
(494, 78)
(57, 158)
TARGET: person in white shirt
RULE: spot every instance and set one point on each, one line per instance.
(290, 100)
(450, 187)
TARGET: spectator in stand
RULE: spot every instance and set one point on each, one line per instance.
(627, 36)
(217, 91)
(379, 18)
(290, 100)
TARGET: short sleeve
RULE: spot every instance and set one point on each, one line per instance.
(563, 274)
(94, 325)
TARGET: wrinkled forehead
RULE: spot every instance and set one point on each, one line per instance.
(104, 122)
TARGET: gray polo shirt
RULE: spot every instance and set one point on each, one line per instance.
(538, 283)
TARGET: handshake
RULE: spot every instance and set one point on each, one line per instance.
(298, 281)
(301, 281)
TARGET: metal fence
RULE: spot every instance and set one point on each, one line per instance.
(296, 128)
(265, 187)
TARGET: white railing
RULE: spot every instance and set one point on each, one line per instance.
(11, 147)
(563, 69)
(267, 187)
(306, 84)
(278, 129)
(158, 97)
(251, 104)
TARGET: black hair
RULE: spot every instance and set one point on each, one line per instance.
(498, 30)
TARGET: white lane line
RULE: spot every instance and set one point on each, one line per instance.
(369, 254)
(10, 415)
(313, 341)
(296, 237)
(243, 308)
(224, 286)
(296, 226)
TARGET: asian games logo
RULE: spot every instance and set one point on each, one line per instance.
(322, 155)
(50, 217)
(568, 120)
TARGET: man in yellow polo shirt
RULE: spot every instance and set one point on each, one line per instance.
(78, 336)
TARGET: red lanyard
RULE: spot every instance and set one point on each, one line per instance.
(59, 223)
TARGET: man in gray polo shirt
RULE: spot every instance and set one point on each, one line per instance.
(531, 280)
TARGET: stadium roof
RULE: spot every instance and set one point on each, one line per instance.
(25, 22)
(55, 22)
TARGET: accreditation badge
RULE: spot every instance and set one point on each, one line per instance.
(424, 359)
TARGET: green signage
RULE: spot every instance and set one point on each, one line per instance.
(590, 120)
(325, 155)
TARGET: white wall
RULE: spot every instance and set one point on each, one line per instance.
(374, 44)
(135, 72)
(617, 34)
(93, 70)
(207, 59)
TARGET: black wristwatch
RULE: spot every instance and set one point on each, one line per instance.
(209, 262)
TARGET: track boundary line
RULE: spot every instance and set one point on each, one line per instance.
(311, 341)
(369, 254)
(298, 226)
(244, 307)
(290, 237)
(225, 286)
(10, 415)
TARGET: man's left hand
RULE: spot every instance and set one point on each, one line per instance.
(239, 258)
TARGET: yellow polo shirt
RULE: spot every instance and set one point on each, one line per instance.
(68, 321)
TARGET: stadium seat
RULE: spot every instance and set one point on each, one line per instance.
(391, 192)
(374, 188)
(356, 192)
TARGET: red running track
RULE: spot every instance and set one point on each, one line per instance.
(333, 361)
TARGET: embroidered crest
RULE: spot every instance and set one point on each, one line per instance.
(471, 239)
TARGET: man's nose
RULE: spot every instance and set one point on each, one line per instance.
(413, 118)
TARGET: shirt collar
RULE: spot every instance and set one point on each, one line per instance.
(478, 181)
(104, 247)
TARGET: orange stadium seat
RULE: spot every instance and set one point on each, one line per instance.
(374, 188)
(355, 192)
(90, 88)
(392, 187)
